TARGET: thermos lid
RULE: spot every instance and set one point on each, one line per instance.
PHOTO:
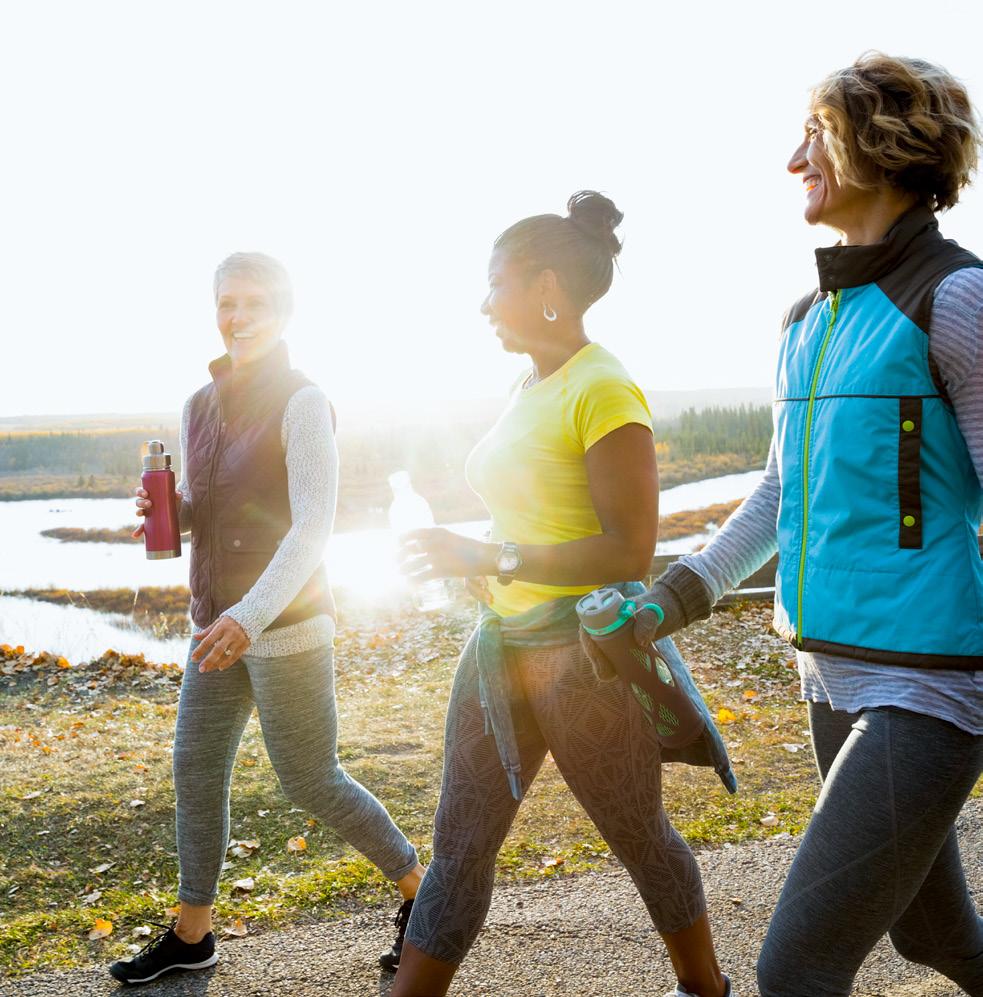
(156, 459)
(600, 608)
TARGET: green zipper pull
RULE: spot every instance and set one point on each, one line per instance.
(834, 306)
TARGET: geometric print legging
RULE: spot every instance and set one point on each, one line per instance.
(608, 757)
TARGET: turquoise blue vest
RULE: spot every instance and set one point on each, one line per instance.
(880, 504)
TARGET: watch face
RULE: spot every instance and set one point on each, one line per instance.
(509, 561)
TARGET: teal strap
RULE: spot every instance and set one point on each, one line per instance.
(626, 612)
(657, 609)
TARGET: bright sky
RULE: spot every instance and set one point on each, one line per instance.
(378, 149)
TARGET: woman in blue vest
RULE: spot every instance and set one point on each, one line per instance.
(258, 488)
(873, 497)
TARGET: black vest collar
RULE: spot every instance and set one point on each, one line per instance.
(852, 266)
(244, 381)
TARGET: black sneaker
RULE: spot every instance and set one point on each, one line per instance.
(163, 954)
(390, 960)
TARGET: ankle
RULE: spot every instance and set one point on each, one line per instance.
(409, 885)
(715, 985)
(191, 934)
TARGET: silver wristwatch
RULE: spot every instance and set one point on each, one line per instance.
(507, 563)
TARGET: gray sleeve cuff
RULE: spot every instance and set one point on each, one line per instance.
(683, 596)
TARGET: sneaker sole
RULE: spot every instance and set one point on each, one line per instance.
(210, 961)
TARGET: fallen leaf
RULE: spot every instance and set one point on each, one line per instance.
(725, 716)
(737, 901)
(244, 885)
(311, 822)
(769, 820)
(173, 911)
(297, 844)
(243, 849)
(32, 796)
(100, 869)
(137, 803)
(143, 931)
(91, 898)
(237, 929)
(750, 694)
(553, 863)
(262, 813)
(101, 929)
(793, 747)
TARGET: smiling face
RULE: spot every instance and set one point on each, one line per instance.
(514, 305)
(828, 201)
(247, 318)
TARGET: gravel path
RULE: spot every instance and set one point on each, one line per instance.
(585, 936)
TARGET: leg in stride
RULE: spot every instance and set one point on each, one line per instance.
(474, 815)
(888, 804)
(609, 757)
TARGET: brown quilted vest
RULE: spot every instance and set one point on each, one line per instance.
(237, 475)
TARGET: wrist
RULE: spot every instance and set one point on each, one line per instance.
(488, 559)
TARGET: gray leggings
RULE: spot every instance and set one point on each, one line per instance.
(880, 856)
(609, 759)
(295, 697)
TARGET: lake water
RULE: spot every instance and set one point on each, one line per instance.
(359, 561)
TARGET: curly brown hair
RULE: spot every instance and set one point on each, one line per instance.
(901, 122)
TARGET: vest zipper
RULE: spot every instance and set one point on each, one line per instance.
(806, 443)
(211, 511)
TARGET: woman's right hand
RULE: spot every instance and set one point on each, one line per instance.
(144, 505)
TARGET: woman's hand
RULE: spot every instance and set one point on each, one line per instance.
(220, 646)
(144, 505)
(439, 553)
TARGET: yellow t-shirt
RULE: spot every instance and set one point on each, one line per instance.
(530, 470)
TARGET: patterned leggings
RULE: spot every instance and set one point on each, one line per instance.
(609, 759)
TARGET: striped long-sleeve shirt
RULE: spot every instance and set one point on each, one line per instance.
(749, 537)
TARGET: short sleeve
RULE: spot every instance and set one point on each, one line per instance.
(606, 405)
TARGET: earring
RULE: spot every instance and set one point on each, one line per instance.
(548, 313)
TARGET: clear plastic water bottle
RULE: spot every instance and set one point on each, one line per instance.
(411, 511)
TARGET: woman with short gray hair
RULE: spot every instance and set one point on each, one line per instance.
(258, 492)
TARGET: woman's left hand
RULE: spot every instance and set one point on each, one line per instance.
(221, 645)
(439, 553)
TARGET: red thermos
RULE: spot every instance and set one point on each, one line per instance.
(161, 532)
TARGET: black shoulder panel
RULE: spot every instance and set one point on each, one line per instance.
(911, 285)
(798, 311)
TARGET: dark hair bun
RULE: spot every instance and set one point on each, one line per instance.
(597, 217)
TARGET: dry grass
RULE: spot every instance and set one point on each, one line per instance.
(76, 753)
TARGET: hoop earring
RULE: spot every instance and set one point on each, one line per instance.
(548, 313)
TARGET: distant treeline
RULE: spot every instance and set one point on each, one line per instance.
(90, 452)
(371, 450)
(744, 430)
(695, 445)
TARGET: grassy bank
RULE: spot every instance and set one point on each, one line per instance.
(86, 804)
(161, 610)
(26, 487)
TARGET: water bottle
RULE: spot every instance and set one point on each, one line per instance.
(411, 511)
(609, 619)
(161, 532)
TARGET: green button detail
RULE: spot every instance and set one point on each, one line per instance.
(908, 520)
(907, 425)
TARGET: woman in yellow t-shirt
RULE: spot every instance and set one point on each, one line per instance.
(569, 476)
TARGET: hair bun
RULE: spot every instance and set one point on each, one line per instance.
(596, 216)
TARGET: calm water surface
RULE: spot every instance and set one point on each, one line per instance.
(360, 561)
